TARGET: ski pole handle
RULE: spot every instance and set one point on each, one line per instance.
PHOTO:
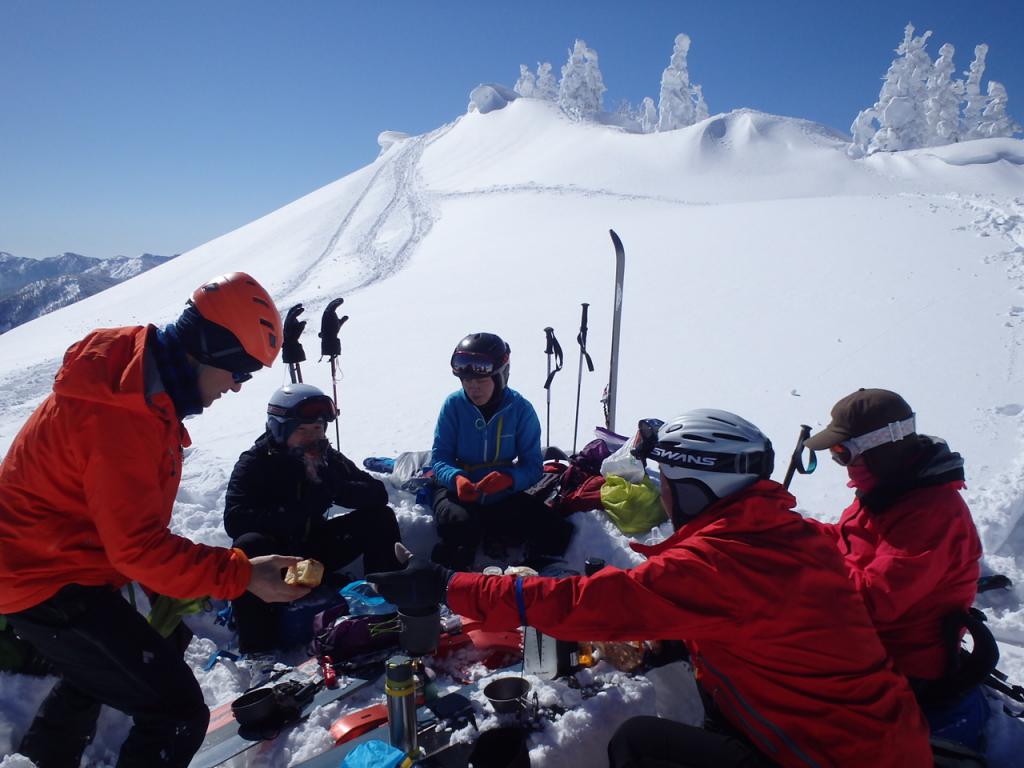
(582, 338)
(552, 348)
(796, 461)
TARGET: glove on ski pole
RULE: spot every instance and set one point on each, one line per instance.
(291, 350)
(421, 584)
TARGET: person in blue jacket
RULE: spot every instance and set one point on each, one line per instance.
(486, 453)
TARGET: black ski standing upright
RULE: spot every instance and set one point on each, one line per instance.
(552, 348)
(330, 347)
(582, 339)
(611, 390)
(291, 350)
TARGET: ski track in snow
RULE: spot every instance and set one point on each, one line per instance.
(408, 208)
(566, 189)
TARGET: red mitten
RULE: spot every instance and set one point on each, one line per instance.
(495, 482)
(465, 489)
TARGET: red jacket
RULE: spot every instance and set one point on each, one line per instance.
(87, 487)
(779, 638)
(913, 563)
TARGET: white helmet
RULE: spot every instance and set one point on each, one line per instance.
(706, 455)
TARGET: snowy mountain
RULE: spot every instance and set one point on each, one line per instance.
(33, 287)
(768, 273)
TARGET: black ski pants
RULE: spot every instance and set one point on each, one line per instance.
(370, 532)
(517, 519)
(105, 652)
(654, 742)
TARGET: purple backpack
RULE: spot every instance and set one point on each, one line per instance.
(340, 636)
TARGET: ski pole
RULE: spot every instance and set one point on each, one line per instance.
(330, 347)
(291, 350)
(582, 339)
(613, 367)
(551, 347)
(796, 461)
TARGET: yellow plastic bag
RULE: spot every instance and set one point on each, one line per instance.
(633, 507)
(168, 611)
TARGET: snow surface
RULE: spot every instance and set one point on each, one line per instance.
(767, 274)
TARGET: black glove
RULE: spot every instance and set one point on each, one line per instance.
(291, 349)
(422, 583)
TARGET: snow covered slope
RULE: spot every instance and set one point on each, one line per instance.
(767, 273)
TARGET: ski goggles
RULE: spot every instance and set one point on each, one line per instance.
(846, 452)
(240, 378)
(309, 411)
(473, 365)
(646, 438)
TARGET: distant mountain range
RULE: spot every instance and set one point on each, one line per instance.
(33, 287)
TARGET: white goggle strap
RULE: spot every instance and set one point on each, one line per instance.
(890, 433)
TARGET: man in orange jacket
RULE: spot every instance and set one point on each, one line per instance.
(790, 666)
(86, 493)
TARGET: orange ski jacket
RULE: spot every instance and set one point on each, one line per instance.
(87, 487)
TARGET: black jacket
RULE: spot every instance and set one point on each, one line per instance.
(270, 493)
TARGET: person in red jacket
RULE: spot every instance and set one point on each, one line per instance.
(908, 540)
(790, 666)
(86, 493)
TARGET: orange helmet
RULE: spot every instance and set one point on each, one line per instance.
(239, 328)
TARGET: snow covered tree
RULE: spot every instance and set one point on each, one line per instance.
(995, 122)
(863, 130)
(679, 103)
(526, 85)
(900, 109)
(699, 107)
(648, 115)
(974, 104)
(546, 85)
(943, 104)
(581, 90)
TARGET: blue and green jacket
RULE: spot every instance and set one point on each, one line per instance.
(509, 442)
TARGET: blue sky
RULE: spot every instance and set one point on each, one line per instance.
(156, 126)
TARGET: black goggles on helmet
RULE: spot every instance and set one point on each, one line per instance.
(646, 446)
(646, 438)
(309, 411)
(473, 365)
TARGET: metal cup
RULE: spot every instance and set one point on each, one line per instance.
(507, 695)
(421, 630)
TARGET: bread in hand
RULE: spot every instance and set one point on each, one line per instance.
(308, 573)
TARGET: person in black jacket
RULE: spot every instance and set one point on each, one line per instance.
(279, 493)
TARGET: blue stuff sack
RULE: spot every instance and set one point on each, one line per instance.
(376, 754)
(364, 601)
(963, 721)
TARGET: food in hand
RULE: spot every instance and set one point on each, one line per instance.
(307, 573)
